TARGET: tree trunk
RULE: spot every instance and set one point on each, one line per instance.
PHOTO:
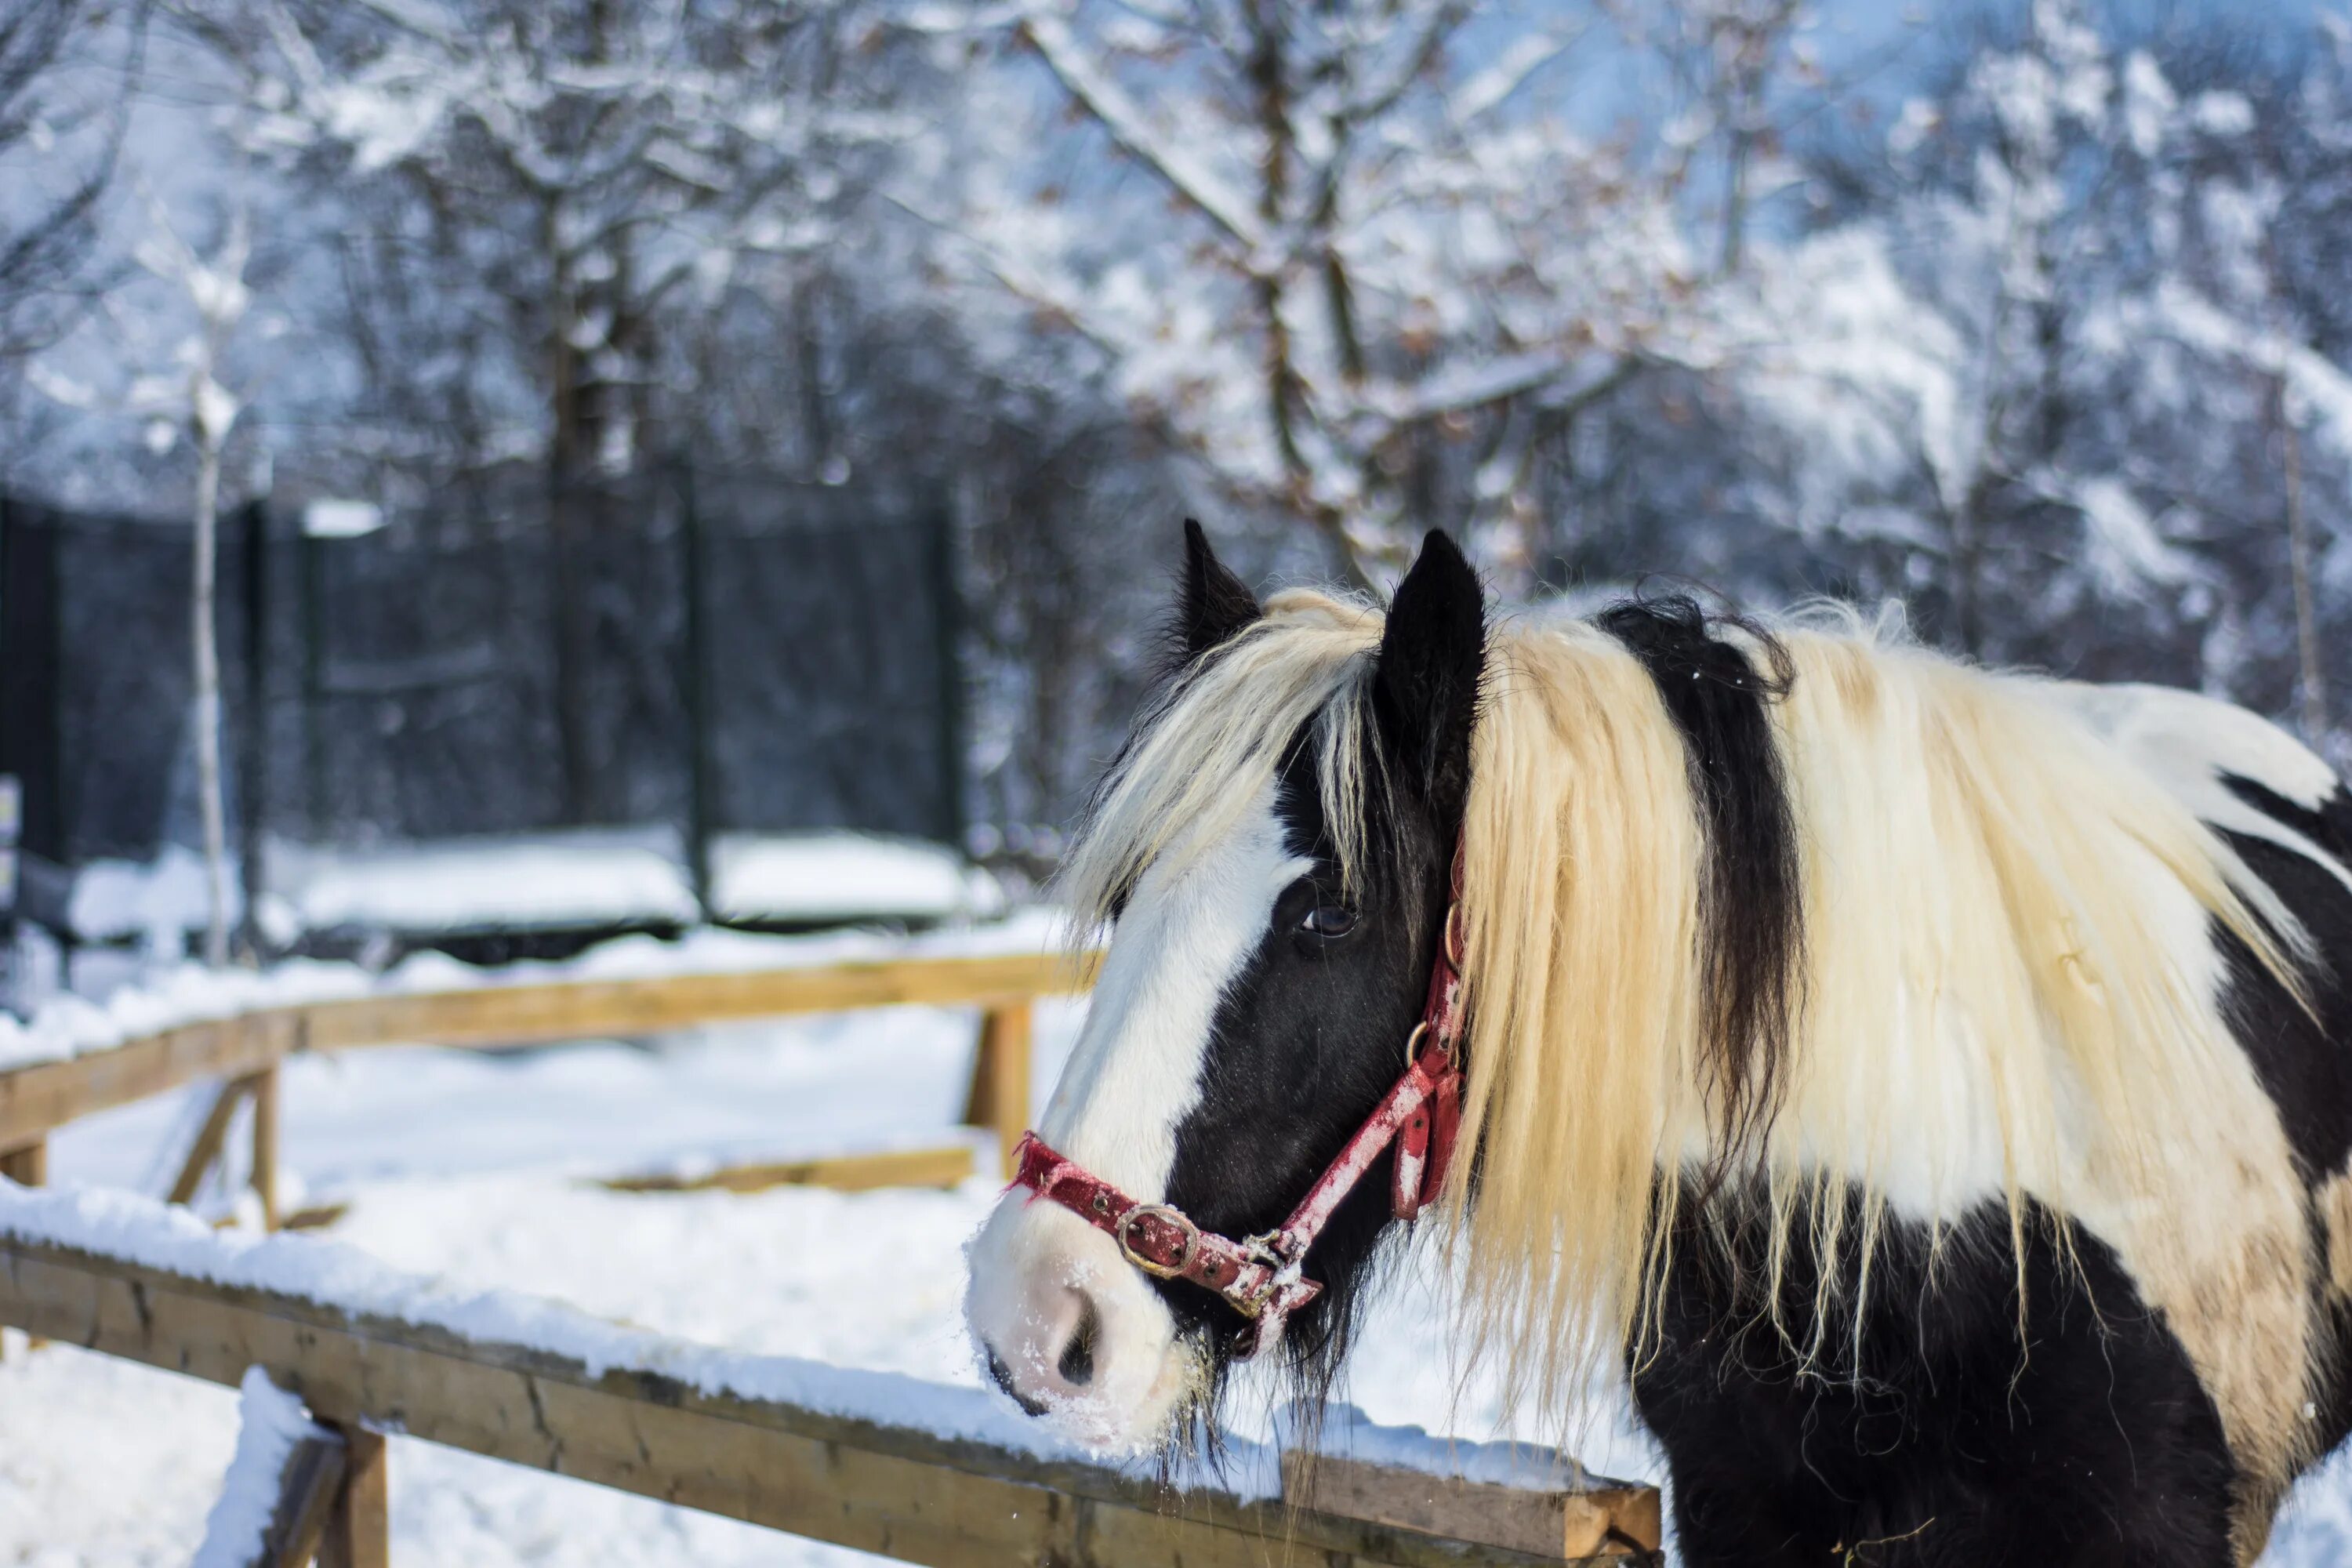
(209, 703)
(2306, 617)
(572, 455)
(1967, 533)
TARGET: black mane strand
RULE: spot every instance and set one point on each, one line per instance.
(1751, 897)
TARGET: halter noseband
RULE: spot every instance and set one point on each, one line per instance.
(1261, 1277)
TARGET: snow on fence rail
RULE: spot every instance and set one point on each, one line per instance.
(75, 1058)
(923, 1472)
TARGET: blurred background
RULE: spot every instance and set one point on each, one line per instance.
(492, 479)
(721, 459)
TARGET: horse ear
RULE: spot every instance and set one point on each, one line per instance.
(1425, 688)
(1212, 604)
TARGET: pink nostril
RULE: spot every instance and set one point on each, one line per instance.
(1077, 1364)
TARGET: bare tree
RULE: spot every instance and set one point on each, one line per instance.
(2312, 676)
(215, 290)
(189, 398)
(587, 181)
(47, 244)
(1389, 245)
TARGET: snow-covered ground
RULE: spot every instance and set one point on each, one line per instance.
(465, 1166)
(557, 881)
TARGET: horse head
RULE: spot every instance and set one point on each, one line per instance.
(1273, 852)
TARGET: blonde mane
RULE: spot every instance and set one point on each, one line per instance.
(1203, 752)
(2007, 986)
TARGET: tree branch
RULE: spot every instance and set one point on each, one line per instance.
(1101, 96)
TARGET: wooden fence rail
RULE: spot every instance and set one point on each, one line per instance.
(244, 1051)
(900, 1491)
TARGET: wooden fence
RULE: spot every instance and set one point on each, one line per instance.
(901, 1490)
(245, 1052)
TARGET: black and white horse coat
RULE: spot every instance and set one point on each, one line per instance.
(1932, 1086)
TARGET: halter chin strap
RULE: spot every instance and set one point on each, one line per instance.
(1261, 1276)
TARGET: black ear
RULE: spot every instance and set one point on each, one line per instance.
(1212, 604)
(1425, 689)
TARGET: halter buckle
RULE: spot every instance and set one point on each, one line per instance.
(1169, 1215)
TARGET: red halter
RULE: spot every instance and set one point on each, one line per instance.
(1260, 1275)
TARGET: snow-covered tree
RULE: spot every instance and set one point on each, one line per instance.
(1372, 260)
(569, 187)
(67, 71)
(218, 295)
(176, 388)
(2040, 374)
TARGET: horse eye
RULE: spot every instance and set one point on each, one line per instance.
(1328, 919)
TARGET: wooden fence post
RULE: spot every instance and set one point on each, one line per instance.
(209, 1138)
(264, 1144)
(999, 1097)
(308, 1485)
(206, 1148)
(358, 1530)
(28, 1166)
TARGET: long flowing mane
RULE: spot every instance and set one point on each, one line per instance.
(1215, 735)
(1920, 937)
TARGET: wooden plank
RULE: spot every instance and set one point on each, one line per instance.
(1601, 1520)
(307, 1500)
(901, 1491)
(999, 1097)
(943, 1167)
(308, 1483)
(265, 1145)
(562, 1010)
(205, 1147)
(306, 1487)
(28, 1165)
(39, 1098)
(358, 1531)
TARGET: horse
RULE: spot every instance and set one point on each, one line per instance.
(1929, 1087)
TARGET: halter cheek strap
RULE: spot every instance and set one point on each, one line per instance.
(1261, 1276)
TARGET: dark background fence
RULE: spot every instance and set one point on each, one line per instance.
(717, 651)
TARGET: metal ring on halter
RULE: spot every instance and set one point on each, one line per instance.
(1457, 939)
(1174, 1216)
(1412, 1042)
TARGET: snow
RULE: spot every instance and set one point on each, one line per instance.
(1172, 155)
(1854, 387)
(328, 518)
(462, 1170)
(270, 1424)
(2221, 113)
(1348, 1433)
(585, 877)
(461, 1173)
(567, 879)
(73, 1025)
(136, 1229)
(2127, 548)
(824, 876)
(2149, 104)
(113, 899)
(139, 1230)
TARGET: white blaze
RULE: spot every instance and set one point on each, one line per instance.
(1193, 923)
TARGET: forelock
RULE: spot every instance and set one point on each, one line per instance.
(1217, 733)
